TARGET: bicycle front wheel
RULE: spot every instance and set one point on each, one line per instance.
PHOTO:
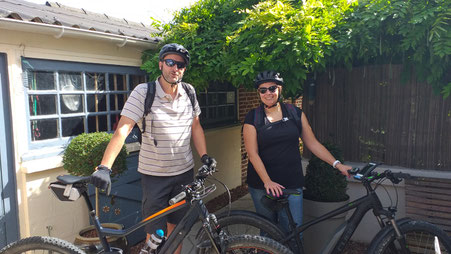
(240, 222)
(255, 244)
(41, 244)
(420, 237)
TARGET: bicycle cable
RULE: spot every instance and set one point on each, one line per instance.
(228, 194)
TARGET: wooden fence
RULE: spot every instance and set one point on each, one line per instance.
(373, 116)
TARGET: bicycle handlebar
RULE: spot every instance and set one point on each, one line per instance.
(198, 184)
(372, 176)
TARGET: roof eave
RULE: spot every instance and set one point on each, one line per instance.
(64, 31)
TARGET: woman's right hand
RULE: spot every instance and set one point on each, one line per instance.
(274, 188)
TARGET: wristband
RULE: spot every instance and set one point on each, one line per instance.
(335, 163)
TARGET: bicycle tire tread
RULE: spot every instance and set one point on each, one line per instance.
(41, 243)
(260, 243)
(384, 238)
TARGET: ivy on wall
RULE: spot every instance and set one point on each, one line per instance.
(232, 40)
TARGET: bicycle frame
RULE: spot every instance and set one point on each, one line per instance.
(196, 211)
(362, 206)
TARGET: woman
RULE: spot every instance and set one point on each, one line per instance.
(271, 137)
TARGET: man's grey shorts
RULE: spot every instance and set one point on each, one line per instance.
(157, 190)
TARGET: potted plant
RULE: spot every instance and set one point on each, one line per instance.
(80, 158)
(325, 190)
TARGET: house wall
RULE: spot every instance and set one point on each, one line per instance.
(39, 212)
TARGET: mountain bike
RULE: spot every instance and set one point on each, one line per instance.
(395, 236)
(191, 196)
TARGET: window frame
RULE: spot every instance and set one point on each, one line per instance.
(56, 66)
(218, 88)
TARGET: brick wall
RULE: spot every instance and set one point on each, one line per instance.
(247, 100)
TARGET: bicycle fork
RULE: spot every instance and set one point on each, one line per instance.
(399, 246)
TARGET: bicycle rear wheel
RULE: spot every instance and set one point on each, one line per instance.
(41, 244)
(420, 236)
(240, 222)
(255, 244)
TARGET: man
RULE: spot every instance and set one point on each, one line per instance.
(165, 159)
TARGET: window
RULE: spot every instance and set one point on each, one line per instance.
(218, 104)
(66, 99)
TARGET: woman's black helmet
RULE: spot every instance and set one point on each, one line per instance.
(174, 48)
(268, 76)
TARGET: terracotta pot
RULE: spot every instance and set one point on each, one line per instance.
(91, 244)
(320, 236)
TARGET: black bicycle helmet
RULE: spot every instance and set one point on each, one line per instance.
(268, 76)
(174, 48)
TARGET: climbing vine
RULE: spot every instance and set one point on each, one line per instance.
(232, 40)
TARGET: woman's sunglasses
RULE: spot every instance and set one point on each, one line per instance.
(272, 89)
(170, 63)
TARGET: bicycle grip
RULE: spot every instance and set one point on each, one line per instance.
(177, 198)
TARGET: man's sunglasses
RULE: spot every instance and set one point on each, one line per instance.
(272, 89)
(170, 63)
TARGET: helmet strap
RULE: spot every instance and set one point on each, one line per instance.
(172, 83)
(268, 107)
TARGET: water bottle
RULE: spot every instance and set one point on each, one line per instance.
(153, 243)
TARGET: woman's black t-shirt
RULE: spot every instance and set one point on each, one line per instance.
(278, 148)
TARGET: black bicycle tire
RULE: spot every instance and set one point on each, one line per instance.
(259, 243)
(41, 243)
(386, 238)
(241, 217)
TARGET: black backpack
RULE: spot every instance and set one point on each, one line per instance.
(259, 120)
(150, 96)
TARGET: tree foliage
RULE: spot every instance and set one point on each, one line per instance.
(416, 33)
(233, 40)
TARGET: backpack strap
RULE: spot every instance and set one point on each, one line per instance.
(191, 94)
(150, 96)
(259, 120)
(293, 114)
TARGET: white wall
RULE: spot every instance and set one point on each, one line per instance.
(38, 209)
(224, 144)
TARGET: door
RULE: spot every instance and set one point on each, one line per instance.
(123, 206)
(9, 230)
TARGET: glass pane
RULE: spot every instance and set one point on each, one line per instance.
(95, 81)
(117, 101)
(44, 129)
(41, 80)
(114, 121)
(222, 98)
(202, 99)
(231, 111)
(211, 113)
(71, 103)
(117, 82)
(222, 112)
(97, 123)
(73, 126)
(42, 104)
(212, 99)
(96, 103)
(230, 97)
(136, 80)
(70, 81)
